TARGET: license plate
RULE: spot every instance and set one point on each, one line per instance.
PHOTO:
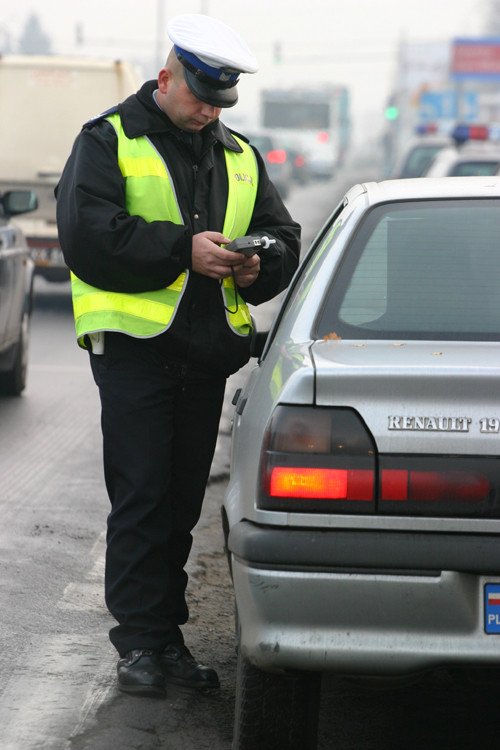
(492, 608)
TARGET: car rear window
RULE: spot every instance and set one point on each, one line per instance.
(420, 270)
(474, 169)
(418, 160)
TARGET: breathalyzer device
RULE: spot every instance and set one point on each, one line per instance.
(250, 244)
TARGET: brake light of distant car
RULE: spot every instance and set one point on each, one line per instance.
(442, 486)
(317, 459)
(278, 156)
(322, 137)
(299, 161)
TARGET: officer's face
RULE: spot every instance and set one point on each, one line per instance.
(181, 105)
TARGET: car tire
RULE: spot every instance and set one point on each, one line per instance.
(13, 381)
(275, 711)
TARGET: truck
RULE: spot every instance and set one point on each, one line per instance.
(318, 118)
(44, 101)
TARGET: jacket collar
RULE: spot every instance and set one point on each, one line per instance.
(140, 116)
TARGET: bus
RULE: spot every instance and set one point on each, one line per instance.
(318, 118)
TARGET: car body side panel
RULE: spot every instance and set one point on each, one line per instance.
(285, 373)
(13, 272)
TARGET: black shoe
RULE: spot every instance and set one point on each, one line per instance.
(139, 671)
(180, 667)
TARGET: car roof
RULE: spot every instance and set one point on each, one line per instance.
(470, 152)
(426, 188)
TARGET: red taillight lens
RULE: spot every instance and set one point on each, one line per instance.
(299, 161)
(278, 156)
(333, 484)
(317, 460)
(459, 486)
(323, 137)
(439, 485)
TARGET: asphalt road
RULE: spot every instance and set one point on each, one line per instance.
(57, 669)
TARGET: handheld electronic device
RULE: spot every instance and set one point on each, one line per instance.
(249, 245)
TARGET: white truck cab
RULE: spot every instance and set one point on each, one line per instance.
(44, 101)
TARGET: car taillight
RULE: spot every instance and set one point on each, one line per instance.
(325, 460)
(299, 161)
(317, 459)
(440, 485)
(335, 484)
(278, 156)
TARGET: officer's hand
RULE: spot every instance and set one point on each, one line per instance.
(246, 273)
(209, 259)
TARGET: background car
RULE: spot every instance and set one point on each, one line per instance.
(299, 158)
(362, 514)
(418, 155)
(276, 158)
(16, 292)
(472, 160)
(475, 153)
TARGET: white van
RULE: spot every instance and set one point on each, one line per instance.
(44, 101)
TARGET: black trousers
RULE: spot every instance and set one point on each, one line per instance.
(159, 423)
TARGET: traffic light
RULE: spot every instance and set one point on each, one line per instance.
(391, 112)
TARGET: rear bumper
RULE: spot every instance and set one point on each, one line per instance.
(367, 603)
(360, 549)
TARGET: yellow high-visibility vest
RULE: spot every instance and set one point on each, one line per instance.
(150, 193)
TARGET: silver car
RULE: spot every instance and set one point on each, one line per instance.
(16, 292)
(362, 514)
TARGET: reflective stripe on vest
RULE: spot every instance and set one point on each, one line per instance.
(150, 193)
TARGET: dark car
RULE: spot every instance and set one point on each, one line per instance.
(299, 158)
(16, 292)
(276, 158)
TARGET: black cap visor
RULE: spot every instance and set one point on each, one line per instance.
(210, 94)
(210, 91)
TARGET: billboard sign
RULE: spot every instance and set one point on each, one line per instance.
(477, 59)
(448, 105)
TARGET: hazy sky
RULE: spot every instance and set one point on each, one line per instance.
(349, 42)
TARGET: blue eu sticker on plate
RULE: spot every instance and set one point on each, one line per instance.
(492, 608)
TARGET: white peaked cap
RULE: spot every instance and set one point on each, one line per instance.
(212, 41)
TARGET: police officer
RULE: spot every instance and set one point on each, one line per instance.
(153, 191)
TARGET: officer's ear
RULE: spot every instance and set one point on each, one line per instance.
(165, 79)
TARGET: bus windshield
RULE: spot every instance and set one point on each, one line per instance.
(296, 115)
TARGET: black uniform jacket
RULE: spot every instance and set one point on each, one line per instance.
(108, 248)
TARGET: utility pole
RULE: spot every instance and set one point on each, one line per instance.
(160, 34)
